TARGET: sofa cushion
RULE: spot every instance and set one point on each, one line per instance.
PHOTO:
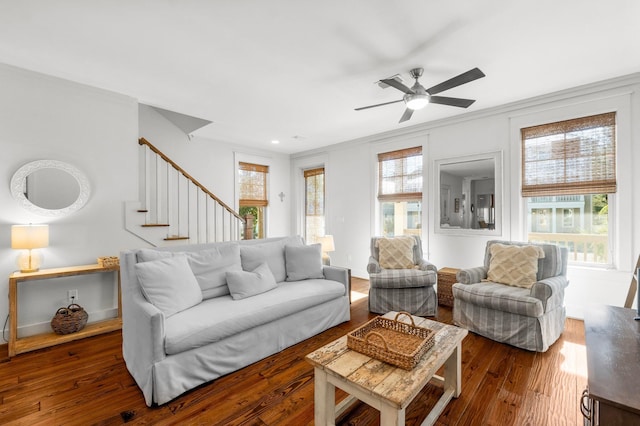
(303, 262)
(169, 284)
(499, 297)
(514, 265)
(215, 319)
(396, 252)
(209, 266)
(244, 284)
(252, 255)
(405, 278)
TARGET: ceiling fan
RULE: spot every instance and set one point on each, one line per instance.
(417, 97)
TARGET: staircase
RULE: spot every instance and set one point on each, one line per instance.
(174, 207)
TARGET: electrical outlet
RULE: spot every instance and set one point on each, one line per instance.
(72, 296)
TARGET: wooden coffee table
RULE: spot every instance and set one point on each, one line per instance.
(384, 387)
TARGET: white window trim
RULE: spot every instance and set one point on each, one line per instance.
(395, 145)
(239, 157)
(297, 177)
(618, 100)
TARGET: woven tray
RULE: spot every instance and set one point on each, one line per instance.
(392, 341)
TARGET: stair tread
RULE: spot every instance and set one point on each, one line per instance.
(176, 238)
(151, 225)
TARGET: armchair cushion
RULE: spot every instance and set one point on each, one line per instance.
(403, 278)
(514, 265)
(500, 297)
(396, 252)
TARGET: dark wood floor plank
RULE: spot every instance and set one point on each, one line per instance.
(86, 383)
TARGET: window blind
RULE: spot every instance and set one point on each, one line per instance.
(400, 175)
(572, 157)
(314, 191)
(253, 184)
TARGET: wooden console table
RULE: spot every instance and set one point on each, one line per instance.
(613, 362)
(30, 343)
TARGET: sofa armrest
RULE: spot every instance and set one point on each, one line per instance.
(471, 275)
(339, 274)
(142, 340)
(425, 265)
(550, 291)
(373, 267)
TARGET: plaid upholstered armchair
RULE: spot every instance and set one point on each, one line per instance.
(516, 297)
(400, 279)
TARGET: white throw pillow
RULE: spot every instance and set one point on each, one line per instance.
(303, 262)
(209, 266)
(169, 284)
(245, 284)
(272, 252)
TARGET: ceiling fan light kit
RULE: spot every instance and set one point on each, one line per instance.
(417, 97)
(416, 101)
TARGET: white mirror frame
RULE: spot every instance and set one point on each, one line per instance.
(498, 198)
(19, 179)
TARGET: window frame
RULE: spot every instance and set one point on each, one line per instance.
(581, 187)
(308, 173)
(414, 149)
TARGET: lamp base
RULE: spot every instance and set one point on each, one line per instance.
(326, 260)
(29, 261)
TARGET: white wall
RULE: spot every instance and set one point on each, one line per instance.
(351, 177)
(43, 117)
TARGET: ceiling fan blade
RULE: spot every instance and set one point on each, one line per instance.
(407, 115)
(396, 84)
(377, 105)
(457, 102)
(463, 78)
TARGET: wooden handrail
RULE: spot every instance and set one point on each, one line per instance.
(143, 141)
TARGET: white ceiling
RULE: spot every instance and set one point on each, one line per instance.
(294, 70)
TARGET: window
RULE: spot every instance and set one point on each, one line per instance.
(568, 175)
(400, 191)
(253, 194)
(314, 204)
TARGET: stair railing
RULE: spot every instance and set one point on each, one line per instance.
(174, 199)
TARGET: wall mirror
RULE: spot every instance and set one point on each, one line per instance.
(50, 188)
(469, 194)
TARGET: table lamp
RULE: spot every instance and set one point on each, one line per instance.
(327, 246)
(29, 237)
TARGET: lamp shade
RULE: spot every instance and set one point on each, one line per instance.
(327, 243)
(29, 236)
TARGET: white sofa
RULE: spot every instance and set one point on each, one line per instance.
(188, 337)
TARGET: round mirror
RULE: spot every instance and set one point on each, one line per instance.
(50, 188)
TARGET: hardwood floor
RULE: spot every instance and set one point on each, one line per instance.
(86, 383)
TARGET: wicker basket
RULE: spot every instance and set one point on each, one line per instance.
(108, 261)
(70, 319)
(446, 279)
(392, 341)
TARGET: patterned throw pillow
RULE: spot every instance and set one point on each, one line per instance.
(396, 252)
(514, 265)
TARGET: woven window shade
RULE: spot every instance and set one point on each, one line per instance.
(573, 157)
(314, 192)
(400, 175)
(253, 185)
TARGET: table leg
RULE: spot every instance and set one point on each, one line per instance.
(453, 371)
(391, 416)
(324, 399)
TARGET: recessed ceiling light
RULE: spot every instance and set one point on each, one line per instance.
(275, 142)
